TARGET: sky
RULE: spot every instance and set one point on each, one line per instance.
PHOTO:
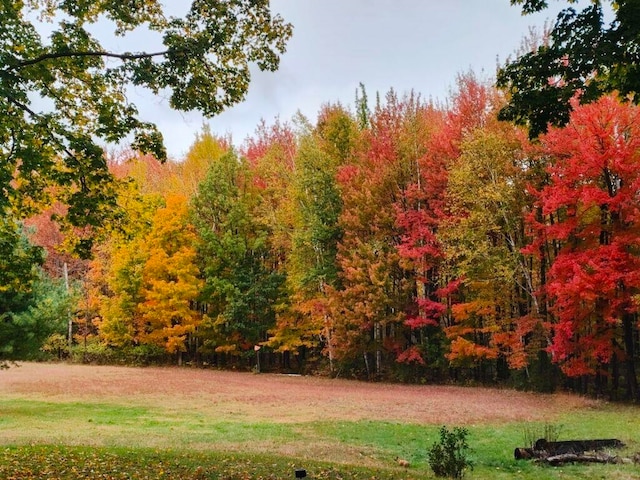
(419, 45)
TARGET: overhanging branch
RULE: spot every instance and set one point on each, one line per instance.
(35, 115)
(96, 53)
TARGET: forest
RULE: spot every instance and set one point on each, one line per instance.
(406, 241)
(493, 238)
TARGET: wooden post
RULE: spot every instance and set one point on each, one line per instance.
(256, 348)
(65, 274)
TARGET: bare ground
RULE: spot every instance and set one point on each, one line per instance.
(281, 398)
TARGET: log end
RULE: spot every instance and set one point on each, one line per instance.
(523, 453)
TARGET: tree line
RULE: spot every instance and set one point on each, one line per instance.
(408, 241)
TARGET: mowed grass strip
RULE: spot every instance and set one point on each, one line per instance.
(156, 443)
(493, 445)
(26, 421)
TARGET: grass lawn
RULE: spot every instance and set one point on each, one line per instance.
(70, 421)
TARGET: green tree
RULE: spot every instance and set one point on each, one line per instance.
(316, 204)
(28, 308)
(47, 315)
(18, 267)
(582, 56)
(63, 93)
(241, 284)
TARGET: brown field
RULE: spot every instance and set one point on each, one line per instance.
(279, 398)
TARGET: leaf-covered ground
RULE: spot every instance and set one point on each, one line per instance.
(66, 463)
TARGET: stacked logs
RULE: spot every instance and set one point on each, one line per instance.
(571, 451)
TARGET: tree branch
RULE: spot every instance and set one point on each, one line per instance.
(121, 56)
(21, 105)
(35, 115)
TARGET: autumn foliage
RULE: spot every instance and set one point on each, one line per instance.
(412, 241)
(590, 210)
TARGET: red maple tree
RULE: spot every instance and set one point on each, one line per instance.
(591, 213)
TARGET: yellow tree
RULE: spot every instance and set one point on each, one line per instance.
(114, 280)
(170, 280)
(114, 291)
(127, 276)
(172, 177)
(205, 150)
(482, 239)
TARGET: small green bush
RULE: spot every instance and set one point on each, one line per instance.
(96, 352)
(448, 458)
(56, 345)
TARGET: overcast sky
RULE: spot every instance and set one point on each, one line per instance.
(336, 44)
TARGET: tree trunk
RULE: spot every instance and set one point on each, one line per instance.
(366, 364)
(576, 446)
(615, 374)
(327, 334)
(630, 374)
(581, 458)
(378, 341)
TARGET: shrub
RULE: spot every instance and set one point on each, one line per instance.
(550, 433)
(92, 351)
(56, 345)
(97, 352)
(448, 458)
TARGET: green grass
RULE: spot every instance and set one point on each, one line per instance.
(493, 445)
(109, 440)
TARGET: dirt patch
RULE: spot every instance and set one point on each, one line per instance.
(282, 398)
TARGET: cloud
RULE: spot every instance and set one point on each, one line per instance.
(337, 44)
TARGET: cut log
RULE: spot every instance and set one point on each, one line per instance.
(544, 449)
(576, 446)
(580, 458)
(524, 453)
